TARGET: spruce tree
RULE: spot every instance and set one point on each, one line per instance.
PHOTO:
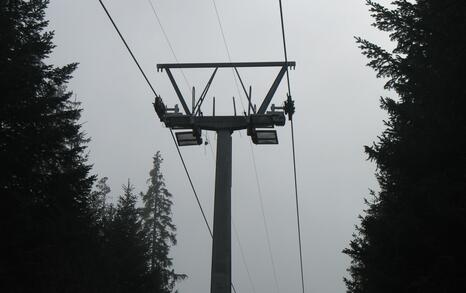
(411, 237)
(159, 230)
(126, 245)
(44, 180)
(98, 203)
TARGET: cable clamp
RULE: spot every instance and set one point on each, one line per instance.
(289, 107)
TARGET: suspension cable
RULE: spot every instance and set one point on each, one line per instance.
(293, 147)
(165, 35)
(128, 48)
(243, 257)
(172, 50)
(191, 183)
(267, 234)
(269, 246)
(157, 18)
(171, 132)
(284, 46)
(225, 43)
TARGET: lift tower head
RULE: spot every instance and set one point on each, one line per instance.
(194, 121)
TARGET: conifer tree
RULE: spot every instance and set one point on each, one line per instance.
(126, 245)
(411, 238)
(159, 229)
(44, 182)
(98, 202)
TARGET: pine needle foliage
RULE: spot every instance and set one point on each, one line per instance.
(45, 181)
(411, 237)
(159, 228)
(126, 246)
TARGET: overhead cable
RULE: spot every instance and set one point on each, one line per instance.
(244, 258)
(225, 43)
(171, 132)
(266, 228)
(172, 50)
(156, 15)
(293, 148)
(198, 202)
(128, 48)
(252, 154)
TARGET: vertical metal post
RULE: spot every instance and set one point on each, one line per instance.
(234, 106)
(213, 107)
(221, 247)
(194, 100)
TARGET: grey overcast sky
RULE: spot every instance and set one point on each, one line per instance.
(337, 113)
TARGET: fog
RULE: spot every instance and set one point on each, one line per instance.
(337, 113)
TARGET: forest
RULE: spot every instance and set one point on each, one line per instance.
(61, 232)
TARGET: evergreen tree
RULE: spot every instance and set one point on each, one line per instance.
(98, 203)
(126, 245)
(411, 238)
(103, 215)
(159, 230)
(44, 180)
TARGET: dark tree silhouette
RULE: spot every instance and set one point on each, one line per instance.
(100, 210)
(159, 229)
(44, 180)
(57, 235)
(126, 245)
(411, 238)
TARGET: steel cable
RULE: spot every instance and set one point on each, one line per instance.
(293, 148)
(171, 132)
(274, 271)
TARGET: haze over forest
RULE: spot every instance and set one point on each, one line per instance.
(87, 160)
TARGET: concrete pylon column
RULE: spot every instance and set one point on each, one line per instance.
(221, 247)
